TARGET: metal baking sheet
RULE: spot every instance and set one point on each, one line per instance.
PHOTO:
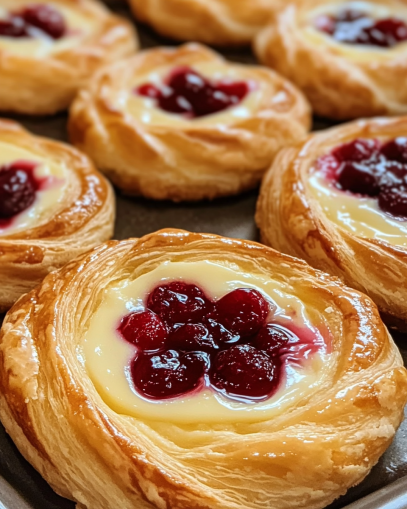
(21, 487)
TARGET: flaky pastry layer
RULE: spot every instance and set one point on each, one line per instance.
(218, 22)
(42, 85)
(291, 220)
(188, 160)
(341, 81)
(81, 220)
(303, 458)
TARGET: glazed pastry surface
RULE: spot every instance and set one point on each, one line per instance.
(325, 440)
(72, 211)
(216, 22)
(341, 80)
(344, 234)
(34, 64)
(162, 155)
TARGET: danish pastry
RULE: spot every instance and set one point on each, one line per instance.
(339, 200)
(218, 22)
(184, 124)
(349, 58)
(185, 370)
(49, 49)
(54, 206)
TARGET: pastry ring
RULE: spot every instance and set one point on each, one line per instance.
(216, 22)
(228, 357)
(54, 206)
(49, 49)
(184, 124)
(349, 58)
(339, 201)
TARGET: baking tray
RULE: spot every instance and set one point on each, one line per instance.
(21, 487)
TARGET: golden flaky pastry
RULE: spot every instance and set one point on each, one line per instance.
(147, 150)
(41, 70)
(342, 80)
(303, 452)
(302, 212)
(218, 22)
(54, 206)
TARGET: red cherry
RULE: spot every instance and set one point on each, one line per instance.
(242, 311)
(46, 18)
(244, 371)
(271, 338)
(396, 150)
(14, 26)
(356, 151)
(168, 374)
(18, 188)
(144, 329)
(359, 178)
(179, 302)
(192, 337)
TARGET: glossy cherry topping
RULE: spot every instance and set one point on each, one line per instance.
(185, 341)
(18, 186)
(187, 92)
(370, 168)
(357, 27)
(33, 20)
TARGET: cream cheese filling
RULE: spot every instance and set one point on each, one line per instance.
(360, 216)
(146, 110)
(107, 356)
(360, 52)
(47, 199)
(79, 25)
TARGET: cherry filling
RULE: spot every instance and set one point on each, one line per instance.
(185, 341)
(356, 27)
(187, 92)
(33, 19)
(370, 168)
(18, 187)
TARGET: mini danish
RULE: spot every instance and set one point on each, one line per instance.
(54, 206)
(218, 22)
(184, 124)
(49, 49)
(339, 201)
(184, 370)
(349, 58)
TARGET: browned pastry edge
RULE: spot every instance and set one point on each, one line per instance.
(42, 86)
(84, 219)
(190, 161)
(217, 22)
(292, 221)
(305, 457)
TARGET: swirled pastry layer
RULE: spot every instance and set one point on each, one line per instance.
(71, 211)
(146, 149)
(217, 22)
(40, 74)
(341, 79)
(347, 235)
(324, 441)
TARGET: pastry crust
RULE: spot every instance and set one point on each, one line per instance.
(185, 160)
(341, 81)
(303, 458)
(291, 220)
(47, 83)
(82, 219)
(217, 22)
